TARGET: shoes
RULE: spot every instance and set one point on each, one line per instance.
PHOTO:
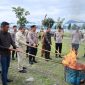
(9, 80)
(35, 61)
(50, 58)
(32, 62)
(22, 71)
(24, 68)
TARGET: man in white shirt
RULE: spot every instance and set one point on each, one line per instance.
(58, 36)
(20, 38)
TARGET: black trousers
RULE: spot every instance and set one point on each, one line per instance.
(58, 47)
(27, 49)
(32, 51)
(13, 54)
(48, 48)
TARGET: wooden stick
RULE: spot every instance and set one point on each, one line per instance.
(40, 48)
(37, 56)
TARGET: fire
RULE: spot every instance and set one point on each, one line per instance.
(70, 59)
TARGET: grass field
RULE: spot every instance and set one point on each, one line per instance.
(44, 73)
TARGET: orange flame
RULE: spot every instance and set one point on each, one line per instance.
(70, 59)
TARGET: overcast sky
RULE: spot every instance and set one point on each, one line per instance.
(69, 9)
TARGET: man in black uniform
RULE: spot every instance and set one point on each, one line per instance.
(47, 41)
(5, 43)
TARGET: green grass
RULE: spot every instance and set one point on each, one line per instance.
(44, 73)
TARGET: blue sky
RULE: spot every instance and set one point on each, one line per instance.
(69, 9)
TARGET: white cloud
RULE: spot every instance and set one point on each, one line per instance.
(38, 8)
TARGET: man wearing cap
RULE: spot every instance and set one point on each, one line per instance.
(5, 43)
(76, 37)
(33, 44)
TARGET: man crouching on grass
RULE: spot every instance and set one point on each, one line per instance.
(5, 51)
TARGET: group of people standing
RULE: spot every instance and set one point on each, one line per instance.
(17, 40)
(47, 43)
(25, 43)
